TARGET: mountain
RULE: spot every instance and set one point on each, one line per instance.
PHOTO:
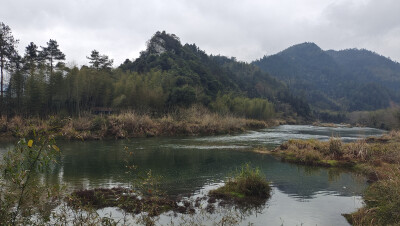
(346, 80)
(209, 76)
(366, 66)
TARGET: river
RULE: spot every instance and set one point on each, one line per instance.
(191, 166)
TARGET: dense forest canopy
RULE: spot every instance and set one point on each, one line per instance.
(346, 80)
(167, 75)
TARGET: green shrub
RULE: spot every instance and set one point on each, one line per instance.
(23, 193)
(251, 182)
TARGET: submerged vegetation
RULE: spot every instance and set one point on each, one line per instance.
(377, 158)
(126, 200)
(28, 199)
(246, 186)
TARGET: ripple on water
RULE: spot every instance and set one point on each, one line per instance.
(204, 147)
(195, 165)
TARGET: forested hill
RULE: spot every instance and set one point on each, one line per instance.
(166, 76)
(194, 73)
(345, 80)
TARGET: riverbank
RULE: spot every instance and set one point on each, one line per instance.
(377, 158)
(186, 165)
(192, 121)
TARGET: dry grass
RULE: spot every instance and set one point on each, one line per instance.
(191, 121)
(385, 149)
(382, 200)
(378, 158)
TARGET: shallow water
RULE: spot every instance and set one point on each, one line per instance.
(190, 166)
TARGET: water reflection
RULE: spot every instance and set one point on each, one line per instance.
(187, 170)
(191, 165)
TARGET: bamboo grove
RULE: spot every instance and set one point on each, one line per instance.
(167, 75)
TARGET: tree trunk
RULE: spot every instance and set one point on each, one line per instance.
(2, 78)
(51, 67)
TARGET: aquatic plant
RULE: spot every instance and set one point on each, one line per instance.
(247, 183)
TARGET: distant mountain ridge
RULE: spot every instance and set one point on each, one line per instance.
(345, 80)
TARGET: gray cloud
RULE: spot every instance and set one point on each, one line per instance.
(244, 29)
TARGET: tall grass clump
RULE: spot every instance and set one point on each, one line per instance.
(376, 157)
(335, 147)
(194, 120)
(247, 182)
(382, 202)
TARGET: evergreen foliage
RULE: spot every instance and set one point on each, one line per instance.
(166, 76)
(256, 108)
(7, 54)
(347, 80)
(188, 66)
(98, 61)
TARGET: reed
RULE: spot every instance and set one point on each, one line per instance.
(376, 157)
(195, 120)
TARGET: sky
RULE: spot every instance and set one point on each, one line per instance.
(247, 30)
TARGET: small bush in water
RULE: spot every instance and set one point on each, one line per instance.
(247, 182)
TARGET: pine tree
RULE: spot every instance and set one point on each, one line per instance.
(52, 57)
(51, 54)
(98, 61)
(7, 50)
(31, 58)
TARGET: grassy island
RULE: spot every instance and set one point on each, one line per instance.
(247, 185)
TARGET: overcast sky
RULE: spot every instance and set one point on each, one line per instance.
(247, 29)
